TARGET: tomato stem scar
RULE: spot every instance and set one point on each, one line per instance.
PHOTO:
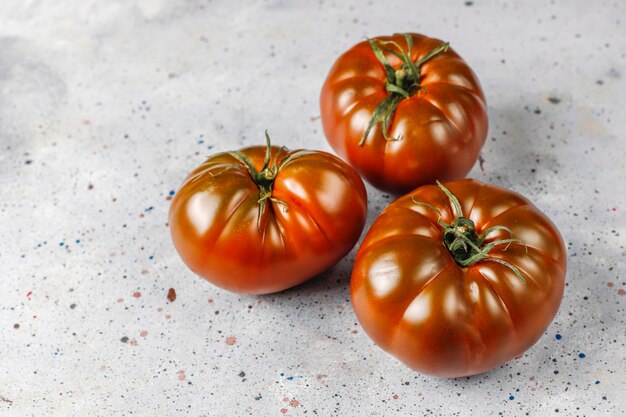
(402, 82)
(462, 241)
(264, 179)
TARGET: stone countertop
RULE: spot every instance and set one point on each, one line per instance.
(106, 105)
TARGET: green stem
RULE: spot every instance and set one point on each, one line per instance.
(464, 244)
(264, 179)
(402, 82)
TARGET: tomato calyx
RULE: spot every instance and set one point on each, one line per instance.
(462, 241)
(264, 179)
(402, 82)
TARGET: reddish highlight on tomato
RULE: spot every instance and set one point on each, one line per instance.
(458, 278)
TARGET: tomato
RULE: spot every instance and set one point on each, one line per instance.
(404, 111)
(262, 220)
(457, 279)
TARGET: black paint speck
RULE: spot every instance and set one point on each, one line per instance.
(469, 3)
(28, 161)
(124, 339)
(73, 306)
(242, 374)
(554, 100)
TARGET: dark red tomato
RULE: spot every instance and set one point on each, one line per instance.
(262, 220)
(456, 289)
(423, 104)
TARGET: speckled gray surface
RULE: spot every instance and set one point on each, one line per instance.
(105, 106)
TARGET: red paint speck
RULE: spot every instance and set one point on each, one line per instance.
(160, 309)
(28, 294)
(132, 342)
(614, 209)
(171, 295)
(144, 272)
(120, 300)
(231, 340)
(283, 410)
(610, 284)
(143, 333)
(181, 375)
(286, 399)
(167, 317)
(90, 187)
(621, 292)
(294, 403)
(137, 294)
(210, 300)
(395, 396)
(355, 331)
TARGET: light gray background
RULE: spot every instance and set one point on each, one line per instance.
(106, 105)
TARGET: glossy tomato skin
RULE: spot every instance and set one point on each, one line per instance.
(213, 220)
(441, 130)
(442, 319)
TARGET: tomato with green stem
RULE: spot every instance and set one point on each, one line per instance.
(261, 220)
(455, 279)
(404, 111)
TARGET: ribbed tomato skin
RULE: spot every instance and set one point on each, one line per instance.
(441, 130)
(214, 220)
(439, 318)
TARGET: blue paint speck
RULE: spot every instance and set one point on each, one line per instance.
(290, 378)
(511, 398)
(151, 257)
(149, 208)
(282, 374)
(172, 192)
(558, 336)
(77, 241)
(597, 382)
(582, 355)
(61, 243)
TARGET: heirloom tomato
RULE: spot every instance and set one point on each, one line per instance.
(457, 279)
(261, 220)
(404, 111)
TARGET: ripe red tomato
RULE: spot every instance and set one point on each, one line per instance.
(425, 108)
(456, 291)
(262, 220)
